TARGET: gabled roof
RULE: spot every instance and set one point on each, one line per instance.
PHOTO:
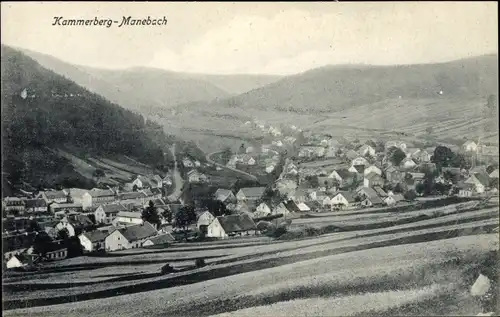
(132, 195)
(148, 192)
(95, 236)
(372, 175)
(398, 197)
(407, 159)
(349, 196)
(291, 206)
(222, 194)
(130, 214)
(113, 208)
(344, 173)
(494, 174)
(313, 204)
(483, 179)
(156, 191)
(303, 207)
(138, 232)
(380, 192)
(162, 239)
(79, 221)
(359, 168)
(201, 213)
(145, 180)
(236, 223)
(159, 202)
(101, 193)
(56, 194)
(253, 192)
(351, 154)
(465, 186)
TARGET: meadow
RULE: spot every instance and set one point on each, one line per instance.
(408, 262)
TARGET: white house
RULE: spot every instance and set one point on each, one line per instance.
(408, 163)
(187, 162)
(128, 217)
(269, 168)
(75, 224)
(263, 210)
(372, 168)
(80, 196)
(204, 219)
(359, 161)
(129, 237)
(162, 239)
(281, 209)
(367, 150)
(93, 240)
(195, 177)
(57, 196)
(303, 207)
(479, 181)
(343, 199)
(251, 161)
(224, 227)
(106, 213)
(470, 146)
(102, 196)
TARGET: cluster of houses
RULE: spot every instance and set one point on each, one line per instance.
(193, 175)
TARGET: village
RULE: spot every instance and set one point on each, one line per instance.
(309, 174)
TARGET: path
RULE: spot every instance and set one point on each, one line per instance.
(209, 160)
(177, 180)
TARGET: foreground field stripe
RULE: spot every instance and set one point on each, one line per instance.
(245, 266)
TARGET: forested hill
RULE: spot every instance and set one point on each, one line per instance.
(42, 110)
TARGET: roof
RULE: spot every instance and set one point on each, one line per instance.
(130, 214)
(138, 232)
(344, 173)
(483, 179)
(360, 168)
(313, 204)
(76, 192)
(36, 202)
(162, 239)
(66, 205)
(380, 191)
(174, 208)
(303, 207)
(494, 174)
(101, 193)
(351, 154)
(372, 175)
(236, 223)
(454, 170)
(465, 186)
(222, 194)
(398, 197)
(417, 175)
(132, 195)
(200, 213)
(159, 202)
(349, 196)
(407, 159)
(148, 192)
(55, 194)
(291, 206)
(95, 236)
(156, 191)
(79, 221)
(113, 208)
(145, 180)
(253, 192)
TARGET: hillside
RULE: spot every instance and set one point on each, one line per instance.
(150, 90)
(56, 114)
(361, 100)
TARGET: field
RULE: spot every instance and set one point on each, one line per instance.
(373, 263)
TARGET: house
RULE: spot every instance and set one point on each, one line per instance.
(80, 196)
(398, 144)
(66, 207)
(359, 161)
(292, 206)
(393, 175)
(422, 156)
(358, 169)
(224, 195)
(281, 209)
(57, 196)
(480, 182)
(326, 201)
(141, 182)
(227, 226)
(326, 182)
(93, 241)
(380, 192)
(417, 176)
(157, 193)
(127, 218)
(277, 143)
(106, 213)
(138, 198)
(186, 162)
(465, 190)
(303, 207)
(157, 181)
(494, 174)
(56, 255)
(314, 206)
(373, 179)
(408, 163)
(391, 200)
(366, 150)
(102, 196)
(35, 205)
(167, 180)
(411, 152)
(469, 146)
(263, 210)
(129, 237)
(343, 199)
(75, 224)
(343, 176)
(196, 177)
(369, 197)
(149, 195)
(351, 155)
(372, 168)
(14, 204)
(204, 219)
(19, 260)
(161, 239)
(250, 194)
(299, 196)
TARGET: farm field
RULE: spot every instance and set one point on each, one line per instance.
(395, 269)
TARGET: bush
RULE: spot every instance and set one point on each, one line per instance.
(166, 269)
(200, 262)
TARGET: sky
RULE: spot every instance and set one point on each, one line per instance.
(255, 37)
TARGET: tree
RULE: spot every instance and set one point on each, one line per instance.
(167, 214)
(420, 188)
(42, 244)
(98, 174)
(410, 195)
(396, 155)
(33, 226)
(398, 188)
(460, 161)
(442, 157)
(150, 214)
(226, 155)
(135, 188)
(73, 246)
(184, 217)
(63, 234)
